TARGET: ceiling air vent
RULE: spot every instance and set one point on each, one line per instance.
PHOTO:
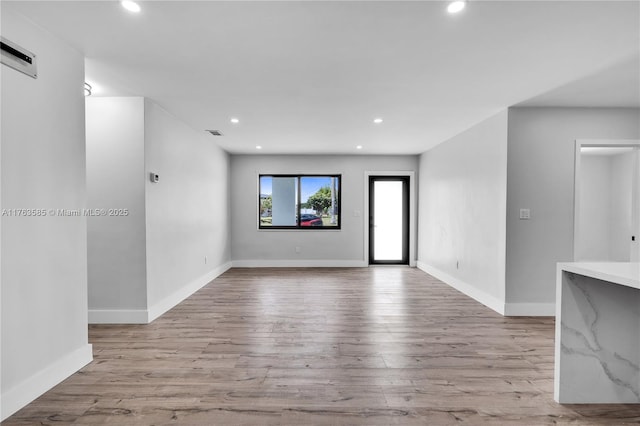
(215, 132)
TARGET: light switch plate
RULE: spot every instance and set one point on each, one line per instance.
(525, 214)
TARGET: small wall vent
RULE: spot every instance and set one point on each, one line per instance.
(18, 58)
(215, 132)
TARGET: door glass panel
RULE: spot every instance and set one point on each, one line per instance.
(388, 214)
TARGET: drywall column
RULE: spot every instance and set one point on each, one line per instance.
(462, 205)
(44, 251)
(116, 227)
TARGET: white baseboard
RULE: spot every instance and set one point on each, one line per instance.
(300, 264)
(118, 316)
(173, 299)
(145, 316)
(463, 287)
(503, 308)
(19, 396)
(530, 310)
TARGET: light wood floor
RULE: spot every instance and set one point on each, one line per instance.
(362, 346)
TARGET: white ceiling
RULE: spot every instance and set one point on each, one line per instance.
(310, 76)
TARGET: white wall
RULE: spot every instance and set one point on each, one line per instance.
(462, 205)
(605, 208)
(187, 211)
(345, 247)
(541, 177)
(621, 214)
(595, 209)
(44, 259)
(115, 180)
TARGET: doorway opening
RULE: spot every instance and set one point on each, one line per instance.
(607, 201)
(389, 220)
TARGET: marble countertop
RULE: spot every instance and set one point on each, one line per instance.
(623, 273)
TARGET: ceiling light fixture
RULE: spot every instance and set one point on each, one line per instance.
(377, 120)
(131, 6)
(258, 147)
(359, 147)
(87, 89)
(235, 120)
(456, 6)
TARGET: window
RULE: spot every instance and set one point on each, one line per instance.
(299, 202)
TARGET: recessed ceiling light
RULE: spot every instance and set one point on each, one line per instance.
(235, 120)
(359, 147)
(456, 6)
(377, 120)
(131, 6)
(258, 147)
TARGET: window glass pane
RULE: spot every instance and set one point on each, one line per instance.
(289, 201)
(283, 210)
(266, 203)
(319, 196)
(278, 197)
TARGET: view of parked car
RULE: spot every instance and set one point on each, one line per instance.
(310, 220)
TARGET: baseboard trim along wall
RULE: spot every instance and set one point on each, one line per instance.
(173, 299)
(118, 316)
(300, 264)
(30, 389)
(463, 287)
(506, 309)
(145, 316)
(530, 310)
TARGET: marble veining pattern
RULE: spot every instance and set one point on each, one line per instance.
(599, 344)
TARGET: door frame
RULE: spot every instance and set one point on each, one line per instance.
(412, 211)
(579, 143)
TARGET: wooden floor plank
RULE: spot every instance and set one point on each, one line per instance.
(320, 346)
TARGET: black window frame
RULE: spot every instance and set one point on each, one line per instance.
(298, 226)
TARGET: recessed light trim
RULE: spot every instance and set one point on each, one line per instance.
(377, 120)
(131, 6)
(258, 147)
(456, 6)
(359, 147)
(235, 120)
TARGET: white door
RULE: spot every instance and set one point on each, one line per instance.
(389, 220)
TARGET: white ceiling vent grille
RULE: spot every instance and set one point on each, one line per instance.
(215, 132)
